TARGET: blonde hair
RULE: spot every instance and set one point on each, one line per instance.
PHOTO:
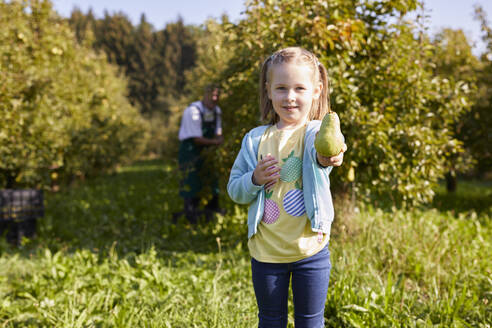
(319, 107)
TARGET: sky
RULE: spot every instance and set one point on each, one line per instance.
(456, 14)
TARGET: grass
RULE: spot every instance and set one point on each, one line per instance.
(108, 255)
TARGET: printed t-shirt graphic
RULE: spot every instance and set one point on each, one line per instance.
(284, 234)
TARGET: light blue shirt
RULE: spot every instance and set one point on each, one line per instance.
(315, 181)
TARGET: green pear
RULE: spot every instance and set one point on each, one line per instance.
(329, 141)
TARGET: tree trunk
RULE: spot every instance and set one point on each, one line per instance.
(451, 182)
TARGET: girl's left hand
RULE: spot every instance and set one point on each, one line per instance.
(334, 160)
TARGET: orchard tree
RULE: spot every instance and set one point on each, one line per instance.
(453, 60)
(453, 56)
(63, 107)
(214, 52)
(478, 125)
(395, 113)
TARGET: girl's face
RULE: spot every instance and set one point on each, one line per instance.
(292, 90)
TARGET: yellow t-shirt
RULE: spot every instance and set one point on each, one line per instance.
(284, 234)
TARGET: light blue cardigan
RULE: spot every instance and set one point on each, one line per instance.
(315, 181)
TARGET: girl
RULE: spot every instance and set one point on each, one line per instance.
(287, 186)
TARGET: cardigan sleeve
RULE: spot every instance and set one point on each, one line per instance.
(240, 186)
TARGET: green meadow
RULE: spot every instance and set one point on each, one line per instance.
(107, 254)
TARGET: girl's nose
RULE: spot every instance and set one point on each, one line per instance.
(291, 95)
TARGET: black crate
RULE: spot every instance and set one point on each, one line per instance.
(19, 211)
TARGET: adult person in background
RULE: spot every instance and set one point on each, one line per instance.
(201, 127)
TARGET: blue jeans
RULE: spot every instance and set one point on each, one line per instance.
(310, 278)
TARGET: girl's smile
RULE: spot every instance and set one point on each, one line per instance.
(292, 90)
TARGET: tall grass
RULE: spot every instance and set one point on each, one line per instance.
(412, 269)
(108, 255)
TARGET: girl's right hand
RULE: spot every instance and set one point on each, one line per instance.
(266, 172)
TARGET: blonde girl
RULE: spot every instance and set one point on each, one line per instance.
(287, 186)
